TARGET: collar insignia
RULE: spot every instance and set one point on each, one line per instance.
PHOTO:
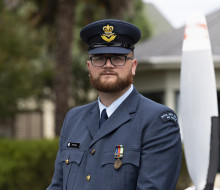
(108, 36)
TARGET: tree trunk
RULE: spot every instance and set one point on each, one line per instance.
(64, 24)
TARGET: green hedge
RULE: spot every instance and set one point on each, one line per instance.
(26, 165)
(29, 164)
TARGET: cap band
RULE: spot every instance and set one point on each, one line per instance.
(112, 44)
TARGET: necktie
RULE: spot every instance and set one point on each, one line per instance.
(104, 117)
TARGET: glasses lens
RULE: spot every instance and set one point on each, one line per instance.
(98, 61)
(118, 60)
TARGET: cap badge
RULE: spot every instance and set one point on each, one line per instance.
(108, 36)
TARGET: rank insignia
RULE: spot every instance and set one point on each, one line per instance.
(119, 151)
(108, 36)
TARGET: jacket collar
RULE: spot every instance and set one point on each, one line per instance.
(117, 119)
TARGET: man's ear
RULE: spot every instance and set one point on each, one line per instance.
(134, 66)
(88, 62)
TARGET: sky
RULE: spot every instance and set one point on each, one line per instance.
(177, 11)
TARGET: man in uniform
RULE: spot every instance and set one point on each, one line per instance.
(122, 141)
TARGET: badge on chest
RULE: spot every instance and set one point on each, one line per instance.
(119, 151)
(73, 145)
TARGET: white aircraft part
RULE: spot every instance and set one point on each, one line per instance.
(198, 98)
(194, 188)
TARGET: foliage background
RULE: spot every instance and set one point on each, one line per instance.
(26, 164)
(25, 69)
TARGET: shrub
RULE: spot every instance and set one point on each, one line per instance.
(26, 164)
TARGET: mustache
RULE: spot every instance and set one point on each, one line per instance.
(108, 73)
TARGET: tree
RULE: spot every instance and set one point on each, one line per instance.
(21, 61)
(128, 10)
(65, 28)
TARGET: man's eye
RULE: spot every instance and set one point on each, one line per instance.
(117, 58)
(98, 58)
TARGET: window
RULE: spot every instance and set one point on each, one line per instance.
(155, 96)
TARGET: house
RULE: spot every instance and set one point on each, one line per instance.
(31, 122)
(159, 58)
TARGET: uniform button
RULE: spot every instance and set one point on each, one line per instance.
(93, 152)
(67, 161)
(88, 177)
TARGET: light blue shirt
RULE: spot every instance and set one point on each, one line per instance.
(110, 109)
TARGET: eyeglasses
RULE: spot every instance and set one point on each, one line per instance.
(116, 60)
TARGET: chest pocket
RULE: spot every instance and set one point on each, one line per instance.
(126, 176)
(71, 160)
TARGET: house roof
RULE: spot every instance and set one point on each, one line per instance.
(167, 47)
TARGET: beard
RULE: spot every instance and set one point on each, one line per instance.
(111, 87)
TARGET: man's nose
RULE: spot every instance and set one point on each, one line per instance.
(108, 63)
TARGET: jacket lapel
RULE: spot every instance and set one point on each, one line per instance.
(119, 117)
(92, 122)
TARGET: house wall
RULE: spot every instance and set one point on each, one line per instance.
(34, 123)
(48, 119)
(217, 76)
(167, 81)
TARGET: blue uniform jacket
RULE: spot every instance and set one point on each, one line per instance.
(149, 133)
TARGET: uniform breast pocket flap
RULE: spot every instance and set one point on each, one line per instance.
(69, 156)
(129, 157)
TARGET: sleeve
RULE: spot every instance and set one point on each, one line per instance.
(161, 154)
(57, 180)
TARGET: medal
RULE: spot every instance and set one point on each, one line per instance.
(119, 151)
(117, 164)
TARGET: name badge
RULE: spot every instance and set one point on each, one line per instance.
(73, 145)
